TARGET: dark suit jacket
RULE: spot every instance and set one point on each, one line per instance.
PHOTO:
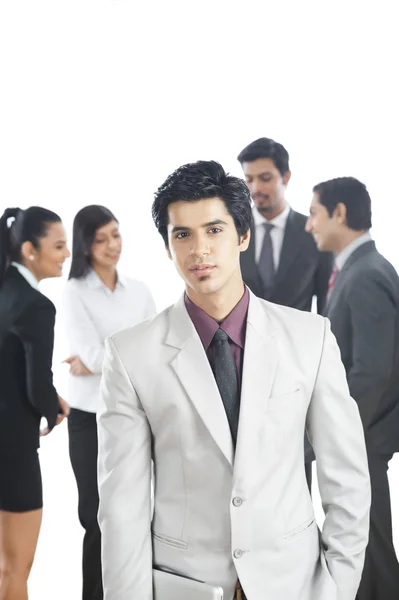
(303, 271)
(364, 312)
(26, 348)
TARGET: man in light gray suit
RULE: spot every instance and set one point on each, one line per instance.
(363, 307)
(217, 390)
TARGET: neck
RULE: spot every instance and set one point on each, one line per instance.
(28, 266)
(274, 212)
(347, 238)
(219, 304)
(107, 275)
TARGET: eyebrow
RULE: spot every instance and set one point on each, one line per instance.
(177, 228)
(259, 174)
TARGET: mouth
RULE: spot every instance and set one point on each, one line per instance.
(113, 256)
(201, 270)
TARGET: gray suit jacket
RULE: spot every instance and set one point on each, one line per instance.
(364, 314)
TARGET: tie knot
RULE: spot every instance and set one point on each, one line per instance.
(268, 227)
(220, 336)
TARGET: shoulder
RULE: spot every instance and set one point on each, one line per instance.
(143, 335)
(298, 218)
(75, 286)
(136, 285)
(294, 321)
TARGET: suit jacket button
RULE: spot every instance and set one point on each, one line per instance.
(237, 501)
(237, 553)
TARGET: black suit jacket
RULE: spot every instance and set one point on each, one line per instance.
(364, 312)
(26, 382)
(303, 271)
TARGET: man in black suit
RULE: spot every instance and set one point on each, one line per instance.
(282, 263)
(363, 307)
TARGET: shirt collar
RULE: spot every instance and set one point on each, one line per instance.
(94, 281)
(280, 221)
(343, 256)
(234, 324)
(26, 274)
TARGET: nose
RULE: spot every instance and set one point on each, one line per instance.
(308, 226)
(200, 247)
(67, 253)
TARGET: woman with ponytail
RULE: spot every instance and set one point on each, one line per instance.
(32, 247)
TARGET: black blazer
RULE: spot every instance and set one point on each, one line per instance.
(303, 271)
(364, 314)
(26, 382)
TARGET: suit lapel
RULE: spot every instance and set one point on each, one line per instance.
(192, 367)
(291, 244)
(260, 362)
(341, 278)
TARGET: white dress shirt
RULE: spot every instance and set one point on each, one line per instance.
(26, 274)
(343, 256)
(276, 234)
(92, 312)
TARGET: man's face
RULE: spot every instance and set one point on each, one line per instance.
(325, 229)
(267, 185)
(204, 245)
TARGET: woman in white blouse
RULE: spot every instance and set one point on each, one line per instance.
(98, 302)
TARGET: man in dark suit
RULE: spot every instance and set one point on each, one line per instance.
(363, 307)
(282, 263)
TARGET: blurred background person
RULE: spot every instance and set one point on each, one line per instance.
(32, 247)
(363, 307)
(282, 263)
(98, 302)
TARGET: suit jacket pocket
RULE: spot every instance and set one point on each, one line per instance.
(291, 399)
(299, 530)
(170, 541)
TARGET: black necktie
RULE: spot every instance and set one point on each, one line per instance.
(266, 261)
(224, 369)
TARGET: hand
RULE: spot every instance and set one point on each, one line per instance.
(65, 408)
(77, 367)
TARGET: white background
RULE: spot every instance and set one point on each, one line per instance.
(100, 100)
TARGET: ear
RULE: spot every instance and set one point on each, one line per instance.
(28, 251)
(244, 241)
(340, 213)
(287, 177)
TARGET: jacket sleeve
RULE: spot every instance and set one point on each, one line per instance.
(373, 320)
(35, 329)
(124, 476)
(336, 433)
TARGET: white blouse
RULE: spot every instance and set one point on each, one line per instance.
(91, 313)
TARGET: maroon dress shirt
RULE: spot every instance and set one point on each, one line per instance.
(234, 325)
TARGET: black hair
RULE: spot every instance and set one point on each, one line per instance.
(353, 194)
(198, 181)
(266, 148)
(85, 225)
(28, 225)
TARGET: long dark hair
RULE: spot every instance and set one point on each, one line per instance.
(85, 225)
(28, 225)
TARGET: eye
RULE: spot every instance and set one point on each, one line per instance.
(181, 235)
(99, 241)
(214, 230)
